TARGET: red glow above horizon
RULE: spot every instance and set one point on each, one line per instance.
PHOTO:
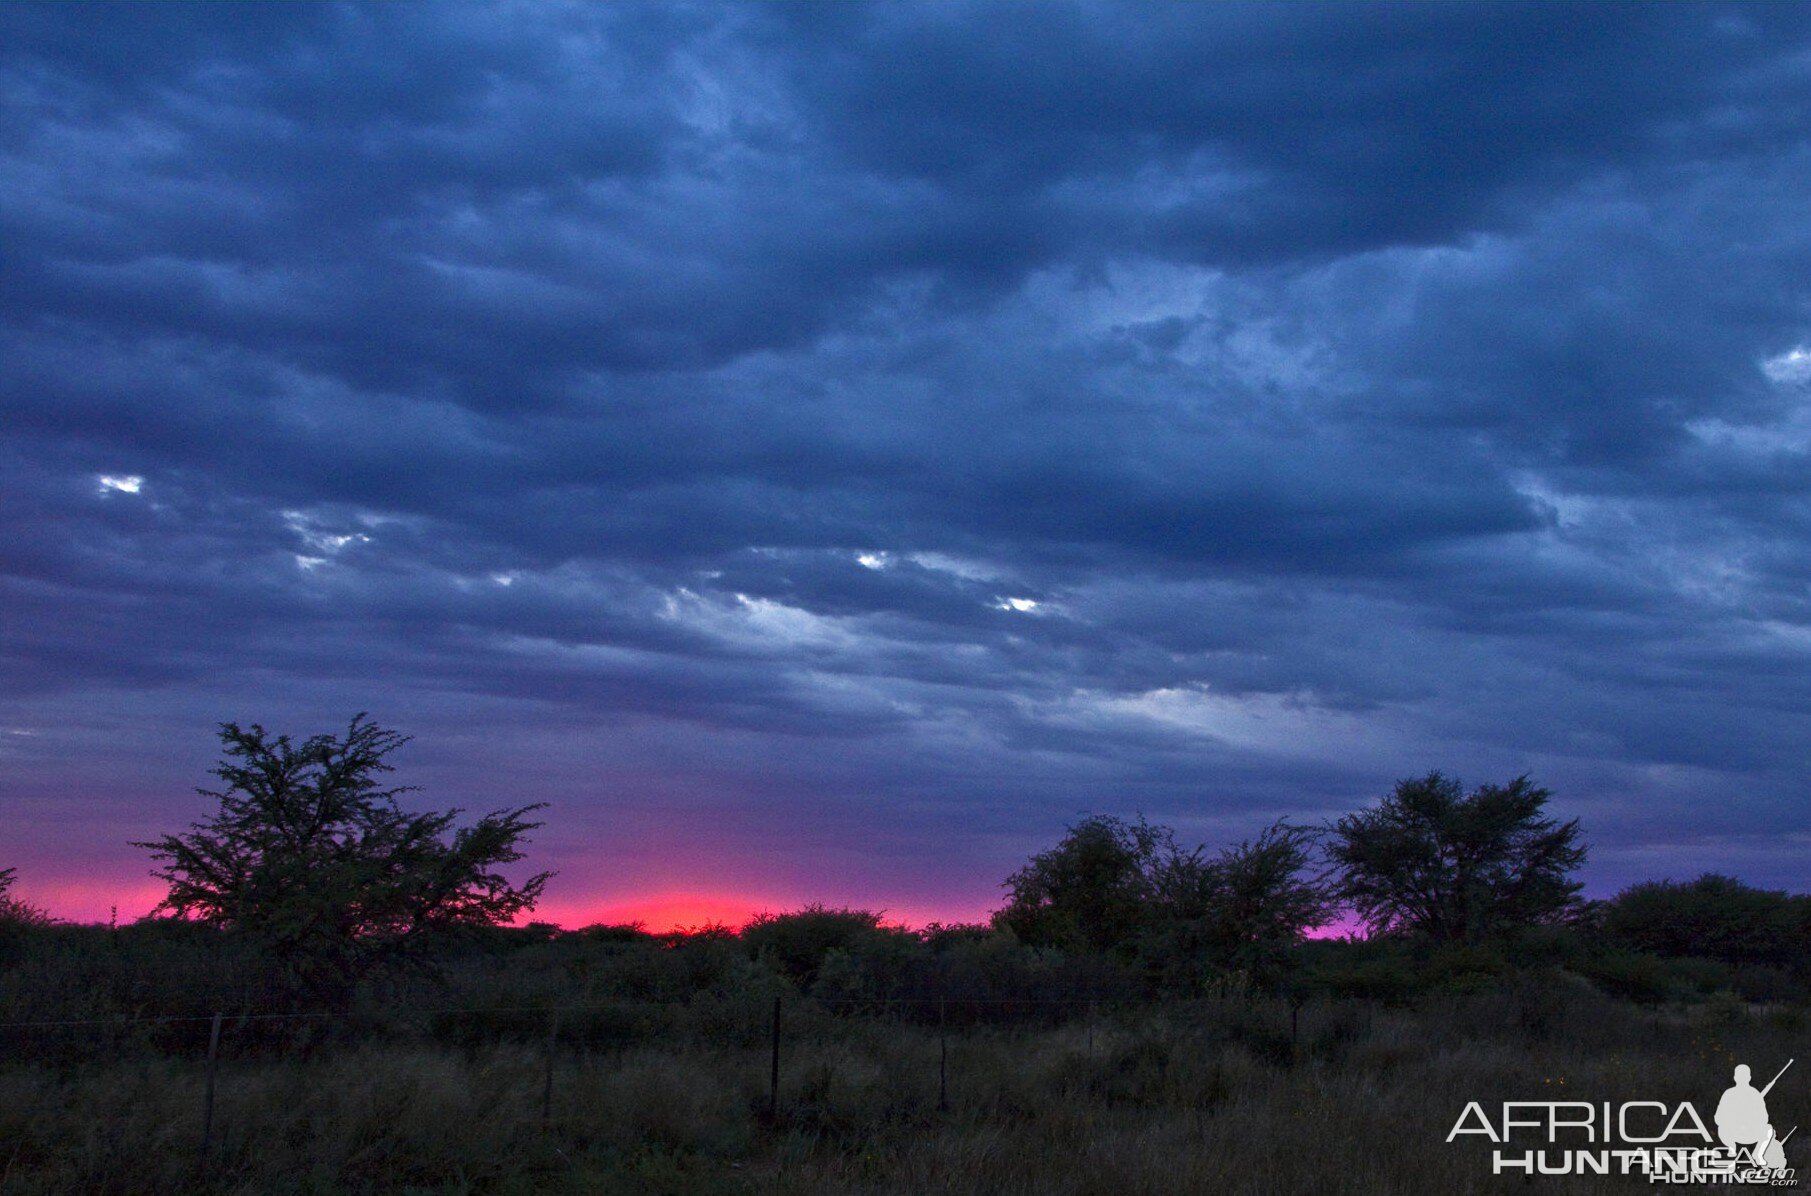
(687, 910)
(656, 912)
(95, 901)
(80, 900)
(73, 900)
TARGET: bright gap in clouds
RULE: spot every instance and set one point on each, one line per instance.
(124, 483)
(1794, 365)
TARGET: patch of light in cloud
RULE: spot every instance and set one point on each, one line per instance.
(504, 579)
(309, 563)
(753, 622)
(1022, 605)
(1569, 510)
(1281, 724)
(1782, 438)
(1792, 366)
(871, 560)
(1793, 635)
(963, 567)
(124, 483)
(315, 538)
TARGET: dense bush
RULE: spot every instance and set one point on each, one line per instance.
(798, 944)
(18, 920)
(1712, 917)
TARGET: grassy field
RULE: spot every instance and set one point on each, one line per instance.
(1216, 1097)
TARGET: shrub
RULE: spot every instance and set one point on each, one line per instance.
(796, 944)
(1712, 917)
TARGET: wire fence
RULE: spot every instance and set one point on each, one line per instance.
(564, 1034)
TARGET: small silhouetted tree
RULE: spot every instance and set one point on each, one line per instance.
(1241, 909)
(1433, 860)
(14, 911)
(18, 920)
(1092, 892)
(312, 858)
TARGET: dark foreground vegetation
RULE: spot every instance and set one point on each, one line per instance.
(332, 1003)
(1208, 1096)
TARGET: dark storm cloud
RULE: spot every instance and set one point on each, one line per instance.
(907, 419)
(1316, 130)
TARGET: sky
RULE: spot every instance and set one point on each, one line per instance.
(825, 450)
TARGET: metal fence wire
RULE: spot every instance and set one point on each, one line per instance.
(582, 1034)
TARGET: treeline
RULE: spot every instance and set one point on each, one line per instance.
(1656, 942)
(312, 890)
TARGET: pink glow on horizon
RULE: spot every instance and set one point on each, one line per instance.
(86, 901)
(1346, 927)
(657, 912)
(92, 900)
(684, 910)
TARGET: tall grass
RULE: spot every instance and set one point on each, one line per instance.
(1203, 1097)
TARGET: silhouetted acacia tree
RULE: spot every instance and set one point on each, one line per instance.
(1091, 892)
(1260, 890)
(1241, 909)
(312, 858)
(1431, 859)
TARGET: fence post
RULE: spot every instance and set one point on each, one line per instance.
(553, 1034)
(207, 1106)
(773, 1077)
(943, 1055)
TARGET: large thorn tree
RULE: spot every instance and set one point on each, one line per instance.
(312, 858)
(1433, 860)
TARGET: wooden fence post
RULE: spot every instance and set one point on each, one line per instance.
(553, 1035)
(943, 1056)
(207, 1106)
(773, 1077)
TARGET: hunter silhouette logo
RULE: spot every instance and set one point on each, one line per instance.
(1743, 1124)
(1665, 1143)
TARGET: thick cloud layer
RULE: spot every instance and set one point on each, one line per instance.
(825, 449)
